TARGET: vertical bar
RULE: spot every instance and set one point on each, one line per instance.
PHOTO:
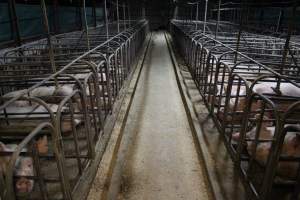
(128, 7)
(94, 13)
(47, 30)
(79, 14)
(218, 20)
(287, 44)
(197, 15)
(15, 22)
(279, 20)
(205, 16)
(86, 25)
(240, 30)
(124, 15)
(191, 13)
(106, 19)
(144, 11)
(175, 12)
(56, 16)
(118, 16)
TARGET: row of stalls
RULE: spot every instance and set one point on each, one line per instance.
(56, 95)
(251, 87)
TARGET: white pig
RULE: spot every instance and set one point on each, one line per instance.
(291, 147)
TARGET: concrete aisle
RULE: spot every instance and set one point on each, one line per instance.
(161, 161)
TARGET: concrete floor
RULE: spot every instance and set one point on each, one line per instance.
(158, 159)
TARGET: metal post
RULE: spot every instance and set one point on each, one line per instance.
(287, 44)
(94, 13)
(79, 14)
(47, 30)
(128, 7)
(175, 12)
(218, 20)
(86, 26)
(56, 17)
(15, 22)
(191, 13)
(144, 11)
(205, 16)
(279, 20)
(106, 20)
(240, 30)
(197, 15)
(124, 15)
(118, 16)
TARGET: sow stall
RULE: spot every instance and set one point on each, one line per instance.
(254, 101)
(51, 120)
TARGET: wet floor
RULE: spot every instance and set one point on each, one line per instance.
(158, 159)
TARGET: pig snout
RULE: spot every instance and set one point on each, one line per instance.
(236, 136)
(24, 185)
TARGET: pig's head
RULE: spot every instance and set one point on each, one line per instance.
(23, 169)
(264, 133)
(291, 147)
(24, 185)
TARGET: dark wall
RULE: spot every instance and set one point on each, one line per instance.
(159, 13)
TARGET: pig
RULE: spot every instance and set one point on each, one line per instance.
(23, 165)
(101, 77)
(291, 147)
(31, 111)
(24, 168)
(287, 89)
(51, 94)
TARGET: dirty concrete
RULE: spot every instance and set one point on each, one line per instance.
(158, 158)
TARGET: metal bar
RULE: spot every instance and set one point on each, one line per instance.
(124, 15)
(15, 22)
(218, 20)
(94, 13)
(47, 30)
(287, 44)
(106, 19)
(129, 18)
(240, 30)
(197, 15)
(56, 16)
(205, 16)
(279, 20)
(86, 25)
(118, 17)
